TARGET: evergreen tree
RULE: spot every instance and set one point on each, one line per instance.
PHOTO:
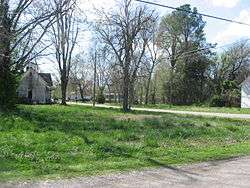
(7, 75)
(182, 36)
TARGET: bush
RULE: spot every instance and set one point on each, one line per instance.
(231, 94)
(8, 85)
(233, 98)
(100, 96)
(217, 101)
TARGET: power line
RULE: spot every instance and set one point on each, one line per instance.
(202, 14)
(188, 53)
(213, 47)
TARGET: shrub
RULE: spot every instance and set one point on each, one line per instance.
(8, 85)
(231, 94)
(232, 98)
(100, 96)
(217, 101)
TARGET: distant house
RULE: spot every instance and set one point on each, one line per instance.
(76, 96)
(245, 93)
(35, 87)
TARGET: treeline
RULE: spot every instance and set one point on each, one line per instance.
(146, 59)
(200, 79)
(196, 71)
(136, 56)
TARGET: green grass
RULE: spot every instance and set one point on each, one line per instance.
(195, 108)
(40, 142)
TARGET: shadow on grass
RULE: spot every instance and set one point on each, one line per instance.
(92, 137)
(174, 169)
(76, 121)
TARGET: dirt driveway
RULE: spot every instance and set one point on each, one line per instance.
(233, 173)
(208, 114)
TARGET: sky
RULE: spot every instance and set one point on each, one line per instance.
(220, 32)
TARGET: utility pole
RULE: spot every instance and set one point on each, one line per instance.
(94, 89)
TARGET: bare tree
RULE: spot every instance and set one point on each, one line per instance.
(105, 67)
(153, 55)
(115, 82)
(79, 75)
(23, 24)
(24, 28)
(64, 35)
(94, 59)
(125, 32)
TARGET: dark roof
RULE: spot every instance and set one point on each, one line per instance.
(47, 78)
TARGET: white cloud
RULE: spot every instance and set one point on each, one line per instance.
(235, 31)
(89, 6)
(224, 3)
(97, 3)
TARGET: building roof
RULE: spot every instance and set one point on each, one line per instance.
(47, 78)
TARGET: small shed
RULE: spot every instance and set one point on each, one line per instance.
(245, 93)
(35, 87)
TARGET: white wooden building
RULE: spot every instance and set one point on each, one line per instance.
(245, 93)
(35, 87)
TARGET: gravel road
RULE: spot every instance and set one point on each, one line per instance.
(233, 173)
(211, 114)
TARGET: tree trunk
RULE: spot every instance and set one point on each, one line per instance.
(64, 84)
(119, 97)
(131, 94)
(109, 89)
(148, 88)
(94, 89)
(141, 94)
(125, 93)
(64, 91)
(115, 97)
(81, 92)
(153, 96)
(171, 85)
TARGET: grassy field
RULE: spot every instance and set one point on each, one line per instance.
(195, 108)
(40, 142)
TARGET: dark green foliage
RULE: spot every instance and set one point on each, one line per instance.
(193, 75)
(8, 86)
(182, 32)
(100, 96)
(7, 77)
(230, 69)
(231, 93)
(217, 101)
(229, 96)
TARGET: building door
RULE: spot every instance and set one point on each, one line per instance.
(30, 95)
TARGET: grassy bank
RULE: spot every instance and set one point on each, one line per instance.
(55, 141)
(194, 108)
